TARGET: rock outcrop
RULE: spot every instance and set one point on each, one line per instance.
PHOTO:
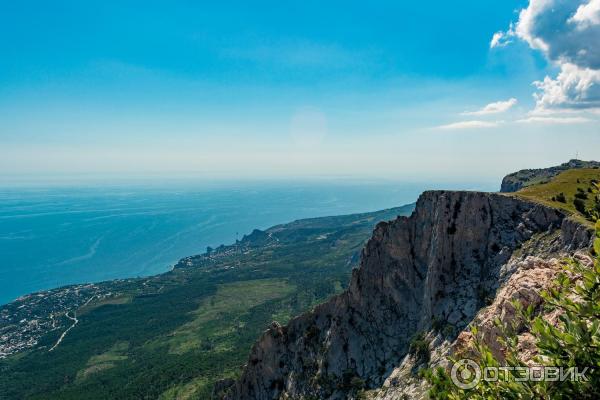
(430, 274)
(525, 286)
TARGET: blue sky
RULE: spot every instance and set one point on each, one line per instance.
(279, 89)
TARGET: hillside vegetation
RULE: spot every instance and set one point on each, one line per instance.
(571, 191)
(528, 177)
(174, 335)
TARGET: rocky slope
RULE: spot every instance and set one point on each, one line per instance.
(429, 275)
(528, 177)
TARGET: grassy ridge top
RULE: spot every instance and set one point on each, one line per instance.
(564, 190)
(529, 177)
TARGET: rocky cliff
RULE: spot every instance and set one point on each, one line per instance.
(427, 276)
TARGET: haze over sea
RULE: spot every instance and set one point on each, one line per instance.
(59, 235)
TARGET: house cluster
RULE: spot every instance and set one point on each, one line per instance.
(24, 321)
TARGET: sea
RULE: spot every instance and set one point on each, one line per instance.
(60, 234)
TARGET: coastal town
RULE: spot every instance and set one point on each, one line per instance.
(24, 321)
(28, 319)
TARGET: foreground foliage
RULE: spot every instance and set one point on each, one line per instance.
(573, 341)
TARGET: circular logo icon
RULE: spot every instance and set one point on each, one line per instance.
(465, 374)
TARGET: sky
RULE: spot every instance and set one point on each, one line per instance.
(235, 89)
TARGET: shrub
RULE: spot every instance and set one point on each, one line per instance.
(419, 347)
(579, 205)
(357, 383)
(561, 197)
(581, 195)
(574, 341)
(351, 382)
(595, 213)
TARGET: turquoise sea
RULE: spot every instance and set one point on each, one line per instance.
(54, 236)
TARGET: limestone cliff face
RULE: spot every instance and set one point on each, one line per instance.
(431, 272)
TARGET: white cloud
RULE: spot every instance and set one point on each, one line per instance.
(470, 125)
(494, 108)
(501, 38)
(588, 14)
(568, 33)
(554, 120)
(574, 87)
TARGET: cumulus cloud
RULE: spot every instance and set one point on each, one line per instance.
(470, 125)
(574, 87)
(494, 108)
(568, 33)
(588, 14)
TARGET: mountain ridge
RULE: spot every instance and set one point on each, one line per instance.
(416, 272)
(526, 177)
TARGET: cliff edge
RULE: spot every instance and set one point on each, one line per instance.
(428, 275)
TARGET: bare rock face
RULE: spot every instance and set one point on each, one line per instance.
(429, 273)
(525, 286)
